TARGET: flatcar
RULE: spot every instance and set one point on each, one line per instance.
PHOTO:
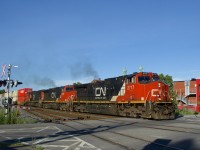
(141, 94)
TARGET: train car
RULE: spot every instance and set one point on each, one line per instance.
(136, 95)
(24, 95)
(56, 98)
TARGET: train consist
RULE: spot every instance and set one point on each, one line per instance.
(139, 94)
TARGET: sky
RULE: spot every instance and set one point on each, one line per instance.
(59, 42)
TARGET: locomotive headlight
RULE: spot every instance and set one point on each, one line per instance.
(159, 85)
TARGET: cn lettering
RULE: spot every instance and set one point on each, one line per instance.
(99, 91)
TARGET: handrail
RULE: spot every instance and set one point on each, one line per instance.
(148, 95)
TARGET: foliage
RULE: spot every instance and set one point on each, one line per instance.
(39, 148)
(12, 118)
(2, 91)
(7, 144)
(186, 112)
(77, 83)
(169, 81)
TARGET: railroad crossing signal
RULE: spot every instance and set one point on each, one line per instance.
(15, 83)
(3, 82)
(4, 102)
(12, 83)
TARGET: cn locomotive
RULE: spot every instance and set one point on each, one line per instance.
(141, 94)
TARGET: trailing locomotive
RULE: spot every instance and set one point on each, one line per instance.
(136, 95)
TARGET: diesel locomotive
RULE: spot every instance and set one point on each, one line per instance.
(141, 94)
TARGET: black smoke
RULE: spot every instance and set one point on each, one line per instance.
(44, 81)
(83, 69)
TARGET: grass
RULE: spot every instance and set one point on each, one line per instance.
(6, 144)
(13, 117)
(19, 145)
(186, 112)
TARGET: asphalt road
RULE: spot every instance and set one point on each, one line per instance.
(105, 134)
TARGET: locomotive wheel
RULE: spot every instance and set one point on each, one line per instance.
(172, 116)
(156, 115)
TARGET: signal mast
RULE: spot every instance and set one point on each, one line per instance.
(7, 102)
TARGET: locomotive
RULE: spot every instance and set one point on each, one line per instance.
(141, 94)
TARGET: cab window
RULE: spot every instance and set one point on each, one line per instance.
(68, 89)
(133, 80)
(144, 79)
(155, 78)
(130, 80)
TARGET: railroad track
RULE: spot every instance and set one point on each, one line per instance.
(49, 115)
(58, 116)
(160, 127)
(88, 129)
(125, 137)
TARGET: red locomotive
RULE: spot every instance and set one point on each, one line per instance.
(136, 95)
(24, 95)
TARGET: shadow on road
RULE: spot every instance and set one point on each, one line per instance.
(186, 144)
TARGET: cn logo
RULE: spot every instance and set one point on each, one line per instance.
(99, 91)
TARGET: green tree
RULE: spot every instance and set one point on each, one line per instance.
(169, 81)
(2, 91)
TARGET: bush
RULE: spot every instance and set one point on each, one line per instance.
(186, 112)
(13, 117)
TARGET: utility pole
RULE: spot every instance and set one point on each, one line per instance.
(8, 110)
(8, 89)
(7, 101)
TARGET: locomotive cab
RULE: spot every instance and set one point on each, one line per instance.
(145, 95)
(152, 88)
(68, 94)
(144, 87)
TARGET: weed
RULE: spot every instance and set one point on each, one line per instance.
(13, 117)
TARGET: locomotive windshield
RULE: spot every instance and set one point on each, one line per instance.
(68, 89)
(144, 79)
(155, 78)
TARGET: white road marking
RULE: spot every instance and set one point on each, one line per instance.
(20, 138)
(64, 138)
(85, 144)
(22, 129)
(81, 144)
(59, 130)
(74, 143)
(42, 129)
(25, 143)
(8, 138)
(53, 146)
(37, 142)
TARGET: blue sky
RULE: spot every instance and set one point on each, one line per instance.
(58, 42)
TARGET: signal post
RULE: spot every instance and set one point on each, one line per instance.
(7, 102)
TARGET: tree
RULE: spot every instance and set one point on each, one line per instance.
(2, 91)
(169, 81)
